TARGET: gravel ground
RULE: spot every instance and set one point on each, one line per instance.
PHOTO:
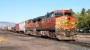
(14, 41)
(83, 38)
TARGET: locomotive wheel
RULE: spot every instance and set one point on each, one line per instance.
(38, 33)
(27, 32)
(59, 36)
(62, 36)
(52, 35)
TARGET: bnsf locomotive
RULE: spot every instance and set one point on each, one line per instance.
(58, 24)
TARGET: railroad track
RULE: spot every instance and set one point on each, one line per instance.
(79, 43)
(70, 42)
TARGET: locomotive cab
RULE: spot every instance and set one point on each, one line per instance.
(65, 25)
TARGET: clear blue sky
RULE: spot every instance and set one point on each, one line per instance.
(20, 10)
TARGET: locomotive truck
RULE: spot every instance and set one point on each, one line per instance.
(58, 24)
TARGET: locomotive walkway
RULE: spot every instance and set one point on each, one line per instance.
(14, 41)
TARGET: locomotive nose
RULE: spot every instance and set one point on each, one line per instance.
(68, 18)
(69, 23)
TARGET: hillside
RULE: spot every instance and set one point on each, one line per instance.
(3, 24)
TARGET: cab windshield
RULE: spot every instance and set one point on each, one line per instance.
(68, 14)
(58, 14)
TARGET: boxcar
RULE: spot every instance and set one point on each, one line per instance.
(22, 27)
(17, 27)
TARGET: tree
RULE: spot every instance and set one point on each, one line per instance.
(83, 12)
(88, 11)
(72, 12)
(83, 20)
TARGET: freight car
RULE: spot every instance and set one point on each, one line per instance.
(58, 24)
(22, 27)
(17, 27)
